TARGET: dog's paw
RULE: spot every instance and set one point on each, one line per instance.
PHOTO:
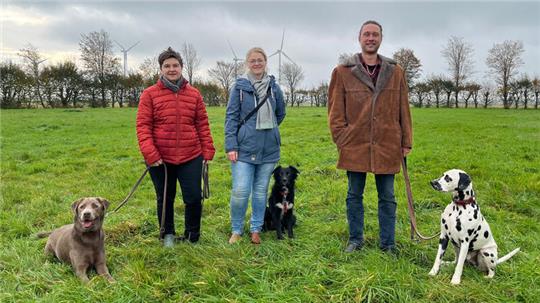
(432, 272)
(455, 281)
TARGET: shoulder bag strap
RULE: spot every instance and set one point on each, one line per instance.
(251, 113)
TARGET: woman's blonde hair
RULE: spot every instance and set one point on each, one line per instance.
(256, 50)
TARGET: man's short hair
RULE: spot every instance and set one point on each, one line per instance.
(370, 22)
(169, 53)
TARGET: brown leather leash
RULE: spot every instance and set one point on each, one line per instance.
(410, 204)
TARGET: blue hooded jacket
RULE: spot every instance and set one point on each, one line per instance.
(253, 146)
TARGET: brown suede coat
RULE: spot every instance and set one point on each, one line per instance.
(369, 124)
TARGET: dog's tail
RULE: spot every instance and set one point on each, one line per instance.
(507, 256)
(43, 234)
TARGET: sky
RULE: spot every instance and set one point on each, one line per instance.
(316, 32)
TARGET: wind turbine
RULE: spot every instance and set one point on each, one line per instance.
(235, 60)
(125, 51)
(280, 52)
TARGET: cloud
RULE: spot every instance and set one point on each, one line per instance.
(315, 32)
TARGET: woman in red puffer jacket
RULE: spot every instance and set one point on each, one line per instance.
(172, 129)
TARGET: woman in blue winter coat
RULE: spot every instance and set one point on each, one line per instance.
(252, 146)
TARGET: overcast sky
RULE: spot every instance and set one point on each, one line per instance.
(315, 32)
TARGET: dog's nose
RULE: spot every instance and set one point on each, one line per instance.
(87, 215)
(435, 184)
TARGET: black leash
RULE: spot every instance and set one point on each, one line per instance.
(132, 191)
(412, 216)
(205, 180)
(205, 193)
(163, 209)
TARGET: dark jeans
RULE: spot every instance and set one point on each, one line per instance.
(189, 176)
(387, 208)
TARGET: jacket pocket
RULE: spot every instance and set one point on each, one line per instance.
(358, 94)
(247, 140)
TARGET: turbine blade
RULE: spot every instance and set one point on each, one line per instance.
(284, 54)
(282, 38)
(121, 47)
(232, 50)
(132, 46)
(277, 52)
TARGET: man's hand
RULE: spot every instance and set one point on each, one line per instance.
(405, 151)
(232, 156)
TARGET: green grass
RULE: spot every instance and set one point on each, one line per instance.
(53, 157)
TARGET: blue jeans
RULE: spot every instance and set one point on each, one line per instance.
(249, 179)
(387, 208)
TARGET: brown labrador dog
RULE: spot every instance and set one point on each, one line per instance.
(82, 244)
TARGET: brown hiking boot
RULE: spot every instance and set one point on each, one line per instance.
(255, 238)
(234, 238)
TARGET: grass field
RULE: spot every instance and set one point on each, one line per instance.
(53, 157)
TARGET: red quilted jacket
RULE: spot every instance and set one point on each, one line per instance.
(173, 126)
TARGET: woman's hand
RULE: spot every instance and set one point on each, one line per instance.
(232, 156)
(157, 163)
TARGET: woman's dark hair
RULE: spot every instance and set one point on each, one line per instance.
(169, 53)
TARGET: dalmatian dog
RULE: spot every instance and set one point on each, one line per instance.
(463, 225)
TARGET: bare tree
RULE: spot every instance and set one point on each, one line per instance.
(320, 94)
(98, 58)
(524, 88)
(422, 91)
(149, 70)
(503, 60)
(223, 74)
(293, 74)
(458, 54)
(436, 84)
(32, 59)
(472, 89)
(410, 63)
(536, 90)
(448, 87)
(487, 91)
(134, 85)
(191, 59)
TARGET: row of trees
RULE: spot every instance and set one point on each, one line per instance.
(439, 91)
(503, 62)
(100, 82)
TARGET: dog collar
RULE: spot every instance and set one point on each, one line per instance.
(471, 200)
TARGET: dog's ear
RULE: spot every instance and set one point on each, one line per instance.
(464, 181)
(104, 202)
(75, 205)
(276, 169)
(294, 169)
